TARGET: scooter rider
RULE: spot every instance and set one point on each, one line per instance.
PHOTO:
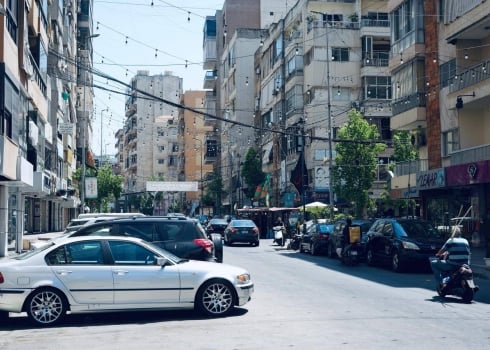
(346, 235)
(454, 253)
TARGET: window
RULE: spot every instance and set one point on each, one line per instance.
(128, 253)
(447, 72)
(340, 54)
(449, 142)
(81, 253)
(142, 230)
(161, 161)
(377, 87)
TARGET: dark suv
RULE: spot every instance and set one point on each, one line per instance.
(402, 242)
(181, 236)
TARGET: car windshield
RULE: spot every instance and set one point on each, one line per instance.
(324, 228)
(418, 229)
(218, 222)
(243, 223)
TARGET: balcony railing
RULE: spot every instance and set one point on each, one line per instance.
(470, 76)
(469, 155)
(407, 103)
(365, 22)
(37, 76)
(376, 59)
(411, 167)
(318, 23)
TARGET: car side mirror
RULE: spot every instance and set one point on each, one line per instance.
(161, 261)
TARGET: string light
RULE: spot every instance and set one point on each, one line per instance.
(156, 53)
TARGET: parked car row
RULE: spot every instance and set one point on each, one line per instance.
(395, 242)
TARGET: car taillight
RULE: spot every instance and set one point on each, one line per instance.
(233, 230)
(322, 237)
(205, 243)
(1, 278)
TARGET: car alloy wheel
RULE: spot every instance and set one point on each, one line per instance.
(215, 298)
(395, 262)
(46, 307)
(369, 257)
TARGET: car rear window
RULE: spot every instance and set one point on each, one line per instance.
(243, 223)
(419, 229)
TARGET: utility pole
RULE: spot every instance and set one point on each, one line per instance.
(201, 181)
(83, 136)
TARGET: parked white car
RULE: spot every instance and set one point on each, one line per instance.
(104, 274)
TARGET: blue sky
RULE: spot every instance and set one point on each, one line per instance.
(132, 33)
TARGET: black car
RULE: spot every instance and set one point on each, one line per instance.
(402, 243)
(316, 238)
(181, 236)
(242, 231)
(216, 226)
(335, 239)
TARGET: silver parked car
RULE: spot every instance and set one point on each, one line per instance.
(103, 274)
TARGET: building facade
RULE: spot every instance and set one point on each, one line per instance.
(45, 63)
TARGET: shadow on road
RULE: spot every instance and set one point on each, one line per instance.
(18, 322)
(416, 277)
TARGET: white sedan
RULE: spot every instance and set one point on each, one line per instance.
(103, 274)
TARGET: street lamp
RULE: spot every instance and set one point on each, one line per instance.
(202, 189)
(84, 126)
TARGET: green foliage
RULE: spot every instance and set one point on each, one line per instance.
(251, 171)
(215, 192)
(356, 161)
(403, 148)
(109, 187)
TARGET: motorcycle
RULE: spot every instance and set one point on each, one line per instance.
(459, 283)
(350, 254)
(279, 235)
(295, 241)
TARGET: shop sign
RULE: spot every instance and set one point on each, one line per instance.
(435, 178)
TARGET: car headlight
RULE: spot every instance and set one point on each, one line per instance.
(243, 278)
(410, 245)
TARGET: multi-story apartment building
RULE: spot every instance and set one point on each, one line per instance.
(149, 142)
(440, 83)
(39, 64)
(314, 62)
(199, 149)
(230, 79)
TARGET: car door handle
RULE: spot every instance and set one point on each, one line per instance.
(63, 272)
(121, 272)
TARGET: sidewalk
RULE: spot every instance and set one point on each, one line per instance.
(478, 263)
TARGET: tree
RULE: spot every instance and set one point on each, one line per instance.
(403, 146)
(252, 173)
(356, 161)
(215, 192)
(109, 187)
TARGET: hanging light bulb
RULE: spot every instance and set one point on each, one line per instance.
(338, 91)
(466, 54)
(185, 63)
(246, 81)
(97, 26)
(297, 49)
(126, 40)
(401, 58)
(156, 53)
(188, 16)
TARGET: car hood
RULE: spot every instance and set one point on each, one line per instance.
(211, 268)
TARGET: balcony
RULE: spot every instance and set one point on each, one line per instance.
(469, 155)
(472, 76)
(209, 58)
(408, 112)
(8, 155)
(375, 27)
(210, 79)
(376, 59)
(456, 16)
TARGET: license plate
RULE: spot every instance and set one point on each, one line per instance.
(353, 252)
